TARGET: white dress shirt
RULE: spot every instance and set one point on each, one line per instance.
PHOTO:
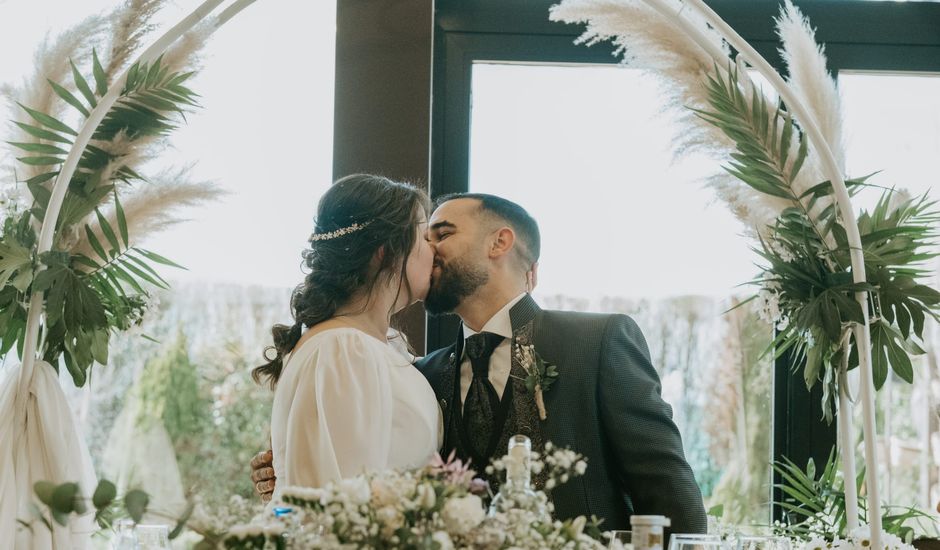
(500, 361)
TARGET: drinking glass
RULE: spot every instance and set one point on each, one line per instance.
(619, 539)
(763, 543)
(681, 541)
(153, 537)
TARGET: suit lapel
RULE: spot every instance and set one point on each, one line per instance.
(449, 395)
(524, 316)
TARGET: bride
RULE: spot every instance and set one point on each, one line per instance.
(345, 399)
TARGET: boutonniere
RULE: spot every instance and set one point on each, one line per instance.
(540, 374)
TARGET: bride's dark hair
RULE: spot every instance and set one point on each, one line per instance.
(340, 268)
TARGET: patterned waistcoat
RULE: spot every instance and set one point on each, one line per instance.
(518, 410)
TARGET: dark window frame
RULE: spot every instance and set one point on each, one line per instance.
(858, 35)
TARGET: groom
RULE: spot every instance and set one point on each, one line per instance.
(604, 403)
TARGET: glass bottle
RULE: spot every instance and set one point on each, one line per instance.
(153, 537)
(126, 538)
(517, 491)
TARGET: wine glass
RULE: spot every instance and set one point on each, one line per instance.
(126, 538)
(619, 539)
(153, 537)
(696, 542)
(763, 543)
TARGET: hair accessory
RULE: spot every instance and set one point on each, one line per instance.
(338, 233)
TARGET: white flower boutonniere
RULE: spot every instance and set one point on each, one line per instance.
(541, 374)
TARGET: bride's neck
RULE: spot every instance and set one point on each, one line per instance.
(370, 314)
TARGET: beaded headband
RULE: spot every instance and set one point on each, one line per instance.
(337, 233)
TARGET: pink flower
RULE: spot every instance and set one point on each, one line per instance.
(479, 486)
(453, 471)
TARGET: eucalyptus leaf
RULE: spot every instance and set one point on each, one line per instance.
(104, 495)
(44, 491)
(136, 501)
(183, 519)
(63, 498)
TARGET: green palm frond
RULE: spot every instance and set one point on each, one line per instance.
(808, 258)
(150, 102)
(150, 92)
(87, 296)
(764, 141)
(815, 505)
(110, 291)
(770, 152)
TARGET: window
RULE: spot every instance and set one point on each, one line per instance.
(625, 229)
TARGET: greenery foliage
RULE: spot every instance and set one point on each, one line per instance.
(815, 506)
(808, 281)
(86, 297)
(63, 500)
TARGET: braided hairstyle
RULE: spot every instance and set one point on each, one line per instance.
(341, 268)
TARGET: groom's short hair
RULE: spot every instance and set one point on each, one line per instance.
(513, 215)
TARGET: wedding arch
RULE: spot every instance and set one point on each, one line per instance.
(785, 169)
(39, 440)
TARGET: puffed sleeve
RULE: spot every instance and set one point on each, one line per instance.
(339, 423)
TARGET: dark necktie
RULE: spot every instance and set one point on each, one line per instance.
(479, 410)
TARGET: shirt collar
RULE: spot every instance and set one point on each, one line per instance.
(499, 323)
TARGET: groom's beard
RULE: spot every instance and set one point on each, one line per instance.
(457, 280)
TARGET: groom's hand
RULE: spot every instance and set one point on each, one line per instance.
(262, 475)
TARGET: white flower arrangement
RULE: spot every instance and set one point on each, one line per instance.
(859, 539)
(212, 521)
(562, 464)
(440, 506)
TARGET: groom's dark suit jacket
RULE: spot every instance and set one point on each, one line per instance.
(605, 404)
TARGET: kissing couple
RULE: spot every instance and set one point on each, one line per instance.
(348, 400)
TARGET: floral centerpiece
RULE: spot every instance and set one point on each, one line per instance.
(440, 506)
(859, 539)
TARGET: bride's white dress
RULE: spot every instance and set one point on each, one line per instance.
(347, 403)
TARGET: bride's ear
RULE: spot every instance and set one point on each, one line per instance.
(378, 256)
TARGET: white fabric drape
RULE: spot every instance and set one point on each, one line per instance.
(143, 457)
(47, 446)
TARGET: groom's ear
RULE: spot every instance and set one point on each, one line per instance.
(532, 277)
(502, 242)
